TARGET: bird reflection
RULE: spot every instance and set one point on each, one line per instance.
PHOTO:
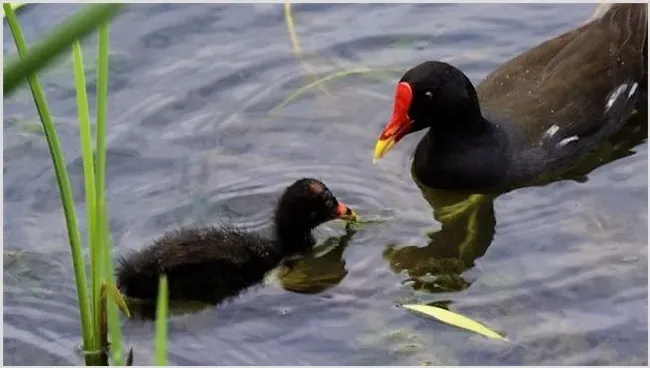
(317, 272)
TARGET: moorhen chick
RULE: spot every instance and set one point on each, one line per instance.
(531, 119)
(212, 264)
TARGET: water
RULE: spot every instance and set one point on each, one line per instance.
(560, 269)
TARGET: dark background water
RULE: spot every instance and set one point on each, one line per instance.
(560, 269)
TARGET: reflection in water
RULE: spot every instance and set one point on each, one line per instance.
(316, 272)
(468, 220)
(467, 230)
(311, 273)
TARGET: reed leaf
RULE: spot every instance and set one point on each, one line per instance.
(161, 321)
(113, 305)
(102, 332)
(75, 28)
(63, 183)
(115, 300)
(86, 141)
(14, 6)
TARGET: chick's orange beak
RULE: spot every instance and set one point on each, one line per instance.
(344, 212)
(400, 123)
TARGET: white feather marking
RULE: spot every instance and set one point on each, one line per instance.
(613, 96)
(600, 11)
(568, 140)
(551, 131)
(632, 90)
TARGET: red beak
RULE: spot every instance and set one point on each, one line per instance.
(400, 123)
(344, 212)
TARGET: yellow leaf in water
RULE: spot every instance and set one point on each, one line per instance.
(454, 319)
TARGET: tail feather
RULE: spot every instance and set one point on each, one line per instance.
(629, 9)
(601, 9)
(633, 18)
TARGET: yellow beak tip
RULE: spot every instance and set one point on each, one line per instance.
(381, 147)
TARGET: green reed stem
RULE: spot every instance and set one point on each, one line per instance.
(63, 182)
(14, 6)
(100, 182)
(76, 27)
(113, 315)
(101, 106)
(86, 141)
(65, 191)
(102, 332)
(111, 303)
(161, 321)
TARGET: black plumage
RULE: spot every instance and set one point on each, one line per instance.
(214, 263)
(531, 119)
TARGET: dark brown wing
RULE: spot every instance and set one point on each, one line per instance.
(572, 81)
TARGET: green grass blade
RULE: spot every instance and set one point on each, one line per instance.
(102, 332)
(454, 319)
(86, 140)
(14, 6)
(113, 302)
(113, 311)
(101, 106)
(76, 27)
(161, 322)
(65, 190)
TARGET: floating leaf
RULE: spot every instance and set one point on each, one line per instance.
(454, 319)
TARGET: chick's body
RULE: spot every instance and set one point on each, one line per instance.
(207, 264)
(214, 263)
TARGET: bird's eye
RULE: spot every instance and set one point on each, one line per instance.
(428, 94)
(329, 203)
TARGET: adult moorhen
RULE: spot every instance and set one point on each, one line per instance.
(216, 263)
(532, 118)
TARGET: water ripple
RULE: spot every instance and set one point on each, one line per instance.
(191, 141)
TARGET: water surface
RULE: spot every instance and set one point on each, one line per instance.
(560, 269)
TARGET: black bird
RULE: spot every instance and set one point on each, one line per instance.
(215, 263)
(534, 117)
